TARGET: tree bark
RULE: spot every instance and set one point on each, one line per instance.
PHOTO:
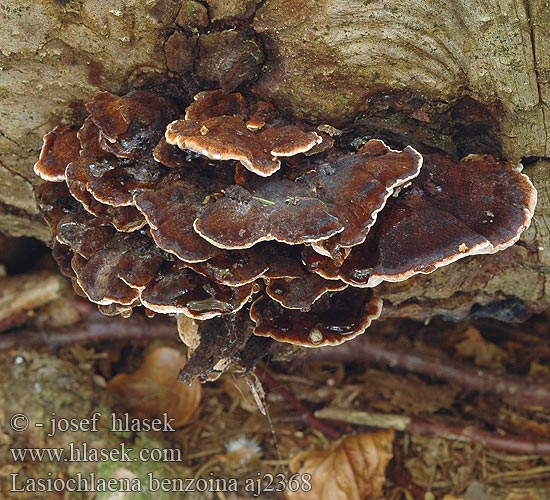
(332, 62)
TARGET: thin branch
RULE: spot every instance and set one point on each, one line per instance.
(400, 479)
(273, 384)
(413, 425)
(517, 390)
(13, 321)
(493, 440)
(95, 327)
(99, 328)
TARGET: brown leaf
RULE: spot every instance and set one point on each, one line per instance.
(351, 469)
(153, 389)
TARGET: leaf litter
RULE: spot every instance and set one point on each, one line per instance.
(222, 433)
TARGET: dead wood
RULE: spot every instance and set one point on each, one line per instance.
(514, 389)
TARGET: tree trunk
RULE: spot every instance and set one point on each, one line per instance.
(463, 77)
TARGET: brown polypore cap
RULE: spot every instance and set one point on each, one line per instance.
(105, 184)
(261, 113)
(301, 293)
(54, 201)
(284, 261)
(131, 125)
(503, 187)
(63, 256)
(211, 103)
(324, 266)
(277, 210)
(450, 211)
(170, 210)
(181, 290)
(357, 187)
(324, 144)
(139, 266)
(170, 156)
(89, 137)
(113, 181)
(223, 138)
(333, 319)
(124, 218)
(117, 309)
(102, 290)
(233, 268)
(117, 272)
(60, 147)
(83, 233)
(288, 140)
(220, 126)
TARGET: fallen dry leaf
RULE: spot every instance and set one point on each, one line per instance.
(351, 469)
(153, 389)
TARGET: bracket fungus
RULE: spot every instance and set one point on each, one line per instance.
(451, 210)
(222, 127)
(228, 210)
(61, 146)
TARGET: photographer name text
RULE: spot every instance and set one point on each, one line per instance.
(20, 422)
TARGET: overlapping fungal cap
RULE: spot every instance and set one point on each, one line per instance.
(277, 210)
(357, 187)
(60, 147)
(184, 192)
(230, 211)
(179, 289)
(342, 196)
(130, 126)
(452, 210)
(335, 318)
(222, 127)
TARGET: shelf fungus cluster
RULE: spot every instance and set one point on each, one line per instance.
(228, 209)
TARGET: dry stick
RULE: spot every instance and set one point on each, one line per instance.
(400, 479)
(492, 440)
(515, 389)
(95, 327)
(328, 431)
(13, 321)
(413, 425)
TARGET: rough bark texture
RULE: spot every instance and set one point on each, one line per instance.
(333, 54)
(54, 54)
(401, 69)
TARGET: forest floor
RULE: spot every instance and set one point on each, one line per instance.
(407, 411)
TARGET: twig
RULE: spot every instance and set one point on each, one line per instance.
(93, 328)
(96, 327)
(298, 405)
(515, 389)
(509, 444)
(413, 425)
(13, 321)
(400, 479)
